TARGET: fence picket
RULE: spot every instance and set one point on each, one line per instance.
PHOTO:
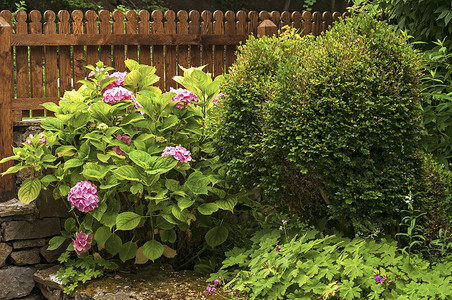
(22, 72)
(118, 51)
(92, 52)
(65, 73)
(285, 19)
(229, 29)
(170, 55)
(131, 28)
(144, 28)
(194, 28)
(307, 24)
(105, 28)
(158, 60)
(206, 28)
(78, 51)
(36, 62)
(327, 21)
(182, 28)
(275, 16)
(50, 55)
(316, 23)
(296, 21)
(253, 22)
(218, 29)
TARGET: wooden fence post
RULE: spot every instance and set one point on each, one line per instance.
(267, 27)
(6, 113)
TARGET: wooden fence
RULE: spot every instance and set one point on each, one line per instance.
(41, 56)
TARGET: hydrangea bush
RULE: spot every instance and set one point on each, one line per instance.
(134, 164)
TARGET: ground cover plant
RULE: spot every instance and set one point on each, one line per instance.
(135, 167)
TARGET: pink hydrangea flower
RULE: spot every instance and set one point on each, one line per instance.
(126, 139)
(41, 139)
(82, 242)
(217, 99)
(118, 82)
(116, 94)
(184, 97)
(178, 152)
(83, 196)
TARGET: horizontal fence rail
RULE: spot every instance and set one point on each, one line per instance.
(44, 55)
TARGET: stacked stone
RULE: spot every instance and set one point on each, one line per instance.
(24, 237)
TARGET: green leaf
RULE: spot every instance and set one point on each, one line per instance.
(185, 202)
(102, 235)
(113, 244)
(168, 235)
(127, 251)
(69, 224)
(169, 122)
(56, 242)
(180, 214)
(197, 183)
(29, 190)
(132, 65)
(128, 173)
(208, 208)
(217, 236)
(48, 179)
(66, 150)
(152, 249)
(127, 220)
(131, 119)
(14, 169)
(99, 211)
(142, 158)
(73, 163)
(227, 204)
(9, 158)
(132, 79)
(109, 219)
(348, 291)
(52, 124)
(50, 106)
(103, 157)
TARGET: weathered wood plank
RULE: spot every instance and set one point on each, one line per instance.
(158, 59)
(195, 29)
(182, 28)
(144, 28)
(229, 29)
(92, 52)
(22, 71)
(218, 29)
(207, 49)
(78, 51)
(131, 28)
(6, 120)
(65, 74)
(50, 55)
(118, 51)
(104, 30)
(170, 55)
(36, 61)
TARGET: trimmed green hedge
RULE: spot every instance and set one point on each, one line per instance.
(327, 124)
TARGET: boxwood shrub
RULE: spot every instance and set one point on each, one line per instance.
(330, 124)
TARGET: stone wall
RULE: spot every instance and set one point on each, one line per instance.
(24, 239)
(25, 231)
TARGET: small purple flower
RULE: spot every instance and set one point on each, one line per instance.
(379, 279)
(215, 282)
(178, 152)
(278, 249)
(83, 196)
(284, 222)
(82, 242)
(217, 99)
(210, 289)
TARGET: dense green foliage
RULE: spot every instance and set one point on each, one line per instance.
(312, 265)
(333, 121)
(425, 20)
(150, 203)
